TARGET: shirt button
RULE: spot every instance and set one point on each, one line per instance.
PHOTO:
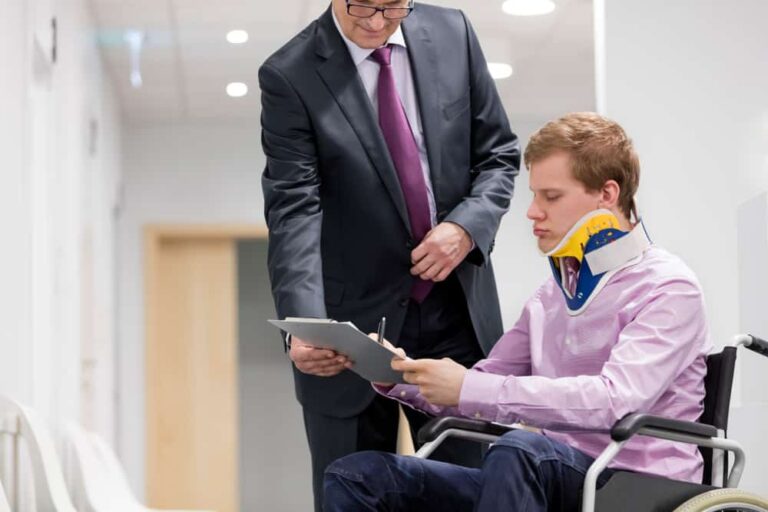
(402, 394)
(403, 303)
(477, 415)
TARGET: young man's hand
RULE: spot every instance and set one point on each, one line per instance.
(441, 251)
(390, 346)
(439, 380)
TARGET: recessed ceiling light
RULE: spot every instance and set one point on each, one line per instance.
(237, 36)
(237, 89)
(528, 7)
(499, 70)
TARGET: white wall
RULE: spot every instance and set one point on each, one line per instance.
(519, 266)
(56, 201)
(204, 172)
(687, 79)
(15, 222)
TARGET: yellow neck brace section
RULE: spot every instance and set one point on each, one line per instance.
(574, 242)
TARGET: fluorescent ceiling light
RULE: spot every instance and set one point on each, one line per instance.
(528, 7)
(237, 36)
(499, 70)
(237, 89)
(135, 40)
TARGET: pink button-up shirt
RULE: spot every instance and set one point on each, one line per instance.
(640, 346)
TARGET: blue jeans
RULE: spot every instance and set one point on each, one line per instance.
(522, 472)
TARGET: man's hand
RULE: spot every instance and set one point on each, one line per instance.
(439, 380)
(441, 251)
(317, 361)
(390, 346)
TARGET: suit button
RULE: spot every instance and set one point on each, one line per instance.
(403, 303)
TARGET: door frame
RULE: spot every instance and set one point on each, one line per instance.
(154, 236)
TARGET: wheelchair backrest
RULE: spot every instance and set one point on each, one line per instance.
(717, 400)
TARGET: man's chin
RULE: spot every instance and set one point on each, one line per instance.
(370, 43)
(545, 245)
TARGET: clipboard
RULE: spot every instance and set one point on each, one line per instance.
(371, 360)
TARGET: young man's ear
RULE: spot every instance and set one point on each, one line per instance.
(609, 194)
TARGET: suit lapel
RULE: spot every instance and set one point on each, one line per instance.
(423, 57)
(339, 74)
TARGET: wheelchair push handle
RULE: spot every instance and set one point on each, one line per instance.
(758, 345)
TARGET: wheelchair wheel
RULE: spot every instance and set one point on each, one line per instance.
(725, 500)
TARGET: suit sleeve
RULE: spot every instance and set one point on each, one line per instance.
(291, 185)
(495, 158)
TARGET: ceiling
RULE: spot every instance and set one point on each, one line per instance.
(186, 61)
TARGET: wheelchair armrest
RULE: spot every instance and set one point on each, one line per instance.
(437, 426)
(630, 424)
(758, 345)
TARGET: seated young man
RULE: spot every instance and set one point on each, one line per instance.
(619, 327)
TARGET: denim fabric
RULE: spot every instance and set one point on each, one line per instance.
(522, 472)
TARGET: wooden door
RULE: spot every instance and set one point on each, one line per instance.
(191, 368)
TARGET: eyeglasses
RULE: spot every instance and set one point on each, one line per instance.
(368, 11)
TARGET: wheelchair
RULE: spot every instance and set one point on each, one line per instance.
(627, 491)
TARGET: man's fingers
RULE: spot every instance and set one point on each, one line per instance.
(443, 275)
(407, 365)
(432, 272)
(323, 369)
(307, 353)
(313, 366)
(413, 378)
(419, 252)
(331, 371)
(423, 266)
(374, 336)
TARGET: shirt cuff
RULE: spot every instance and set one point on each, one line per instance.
(479, 395)
(405, 393)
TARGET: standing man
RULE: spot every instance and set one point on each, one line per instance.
(390, 163)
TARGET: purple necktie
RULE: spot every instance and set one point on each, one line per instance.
(405, 155)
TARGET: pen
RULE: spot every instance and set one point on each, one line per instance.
(380, 330)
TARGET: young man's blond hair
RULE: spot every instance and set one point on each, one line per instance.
(599, 150)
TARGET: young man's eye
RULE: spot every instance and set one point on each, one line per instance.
(551, 198)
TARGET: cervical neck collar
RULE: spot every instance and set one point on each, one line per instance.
(602, 248)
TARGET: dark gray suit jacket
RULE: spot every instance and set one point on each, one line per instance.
(339, 237)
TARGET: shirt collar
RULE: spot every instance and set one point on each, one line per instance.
(360, 54)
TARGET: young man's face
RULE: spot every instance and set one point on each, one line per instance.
(370, 32)
(559, 200)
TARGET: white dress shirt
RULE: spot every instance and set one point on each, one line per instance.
(368, 69)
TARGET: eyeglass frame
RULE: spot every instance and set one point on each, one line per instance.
(382, 10)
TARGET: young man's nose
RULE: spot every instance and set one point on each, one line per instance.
(534, 212)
